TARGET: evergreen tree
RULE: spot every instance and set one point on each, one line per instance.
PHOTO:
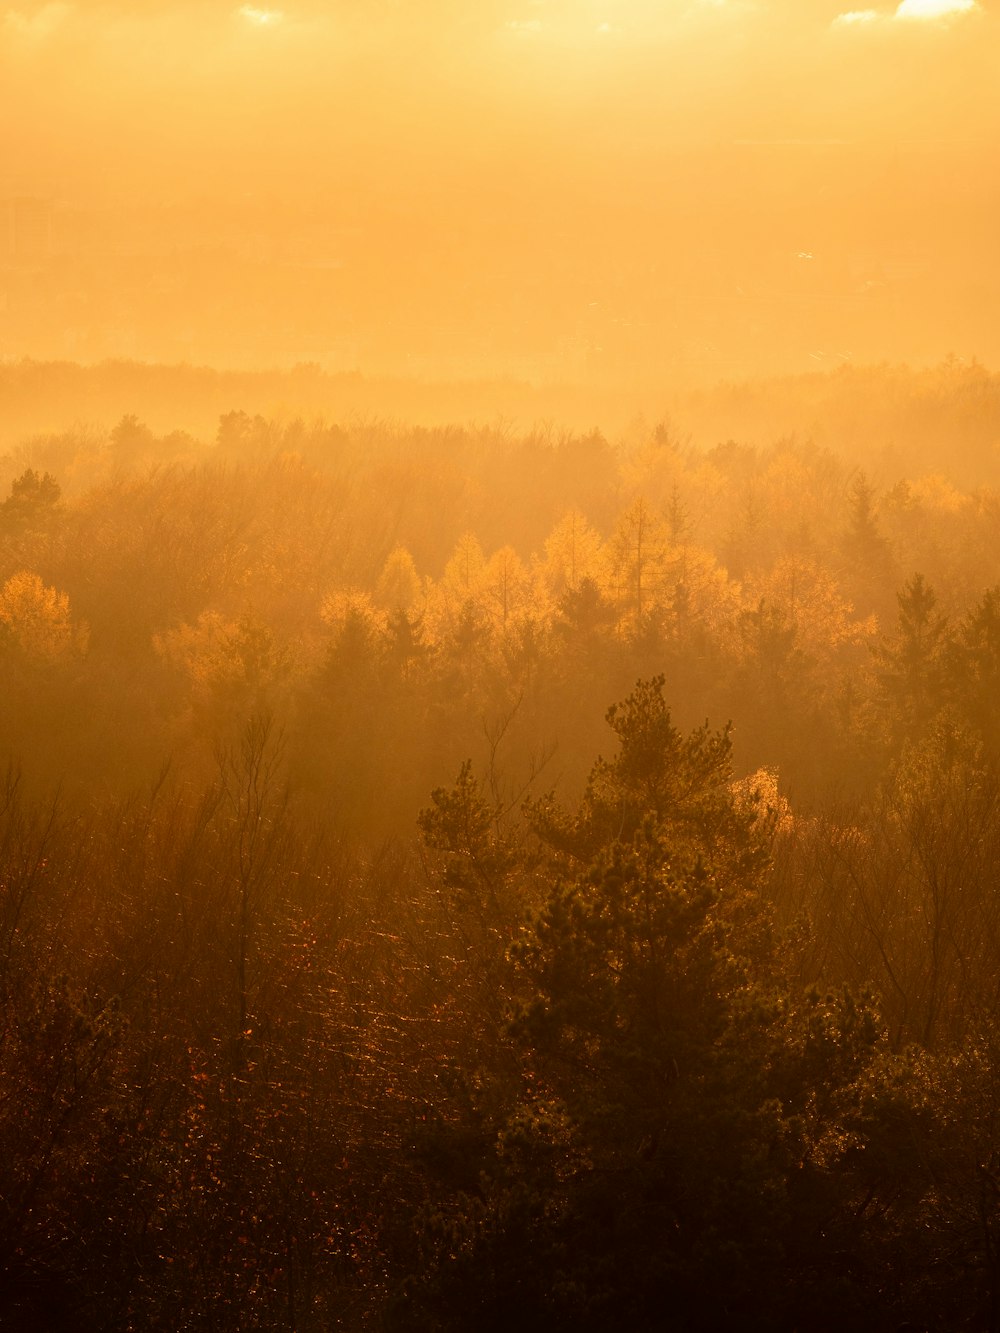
(691, 1142)
(911, 665)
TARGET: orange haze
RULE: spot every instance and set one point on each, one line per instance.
(620, 193)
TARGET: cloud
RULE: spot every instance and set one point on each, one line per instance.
(934, 9)
(260, 18)
(524, 27)
(907, 11)
(857, 16)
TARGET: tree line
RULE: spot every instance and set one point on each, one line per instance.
(344, 984)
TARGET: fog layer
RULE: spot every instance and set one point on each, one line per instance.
(611, 193)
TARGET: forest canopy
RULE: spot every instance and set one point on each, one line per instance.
(462, 875)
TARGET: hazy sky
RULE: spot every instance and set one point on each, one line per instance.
(113, 83)
(543, 140)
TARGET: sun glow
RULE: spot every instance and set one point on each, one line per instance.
(598, 188)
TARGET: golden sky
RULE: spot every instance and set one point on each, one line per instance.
(553, 187)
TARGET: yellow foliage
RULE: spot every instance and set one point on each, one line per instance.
(37, 618)
(811, 600)
(399, 583)
(572, 554)
(757, 794)
(936, 494)
(225, 658)
(464, 571)
(349, 605)
(695, 581)
(506, 584)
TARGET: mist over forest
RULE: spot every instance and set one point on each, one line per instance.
(499, 666)
(618, 193)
